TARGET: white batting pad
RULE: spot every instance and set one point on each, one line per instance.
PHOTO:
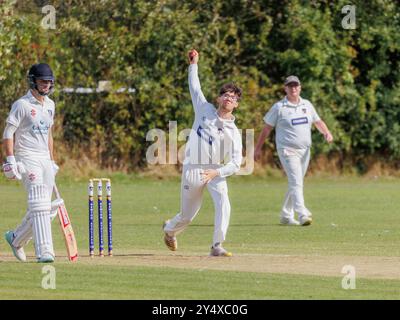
(39, 203)
(42, 233)
(39, 198)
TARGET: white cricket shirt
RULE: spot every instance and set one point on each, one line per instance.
(33, 122)
(292, 123)
(212, 140)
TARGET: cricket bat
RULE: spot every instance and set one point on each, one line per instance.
(66, 228)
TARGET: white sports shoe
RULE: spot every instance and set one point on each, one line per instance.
(218, 251)
(19, 253)
(289, 221)
(46, 258)
(305, 221)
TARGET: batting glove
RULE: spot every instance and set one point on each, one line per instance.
(54, 207)
(12, 170)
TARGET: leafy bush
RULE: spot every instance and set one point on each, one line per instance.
(351, 76)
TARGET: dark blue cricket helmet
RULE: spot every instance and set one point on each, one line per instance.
(40, 71)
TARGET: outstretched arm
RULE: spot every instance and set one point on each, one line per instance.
(263, 135)
(197, 95)
(323, 128)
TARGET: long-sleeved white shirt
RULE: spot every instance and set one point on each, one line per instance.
(212, 140)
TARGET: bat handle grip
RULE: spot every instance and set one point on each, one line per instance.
(56, 191)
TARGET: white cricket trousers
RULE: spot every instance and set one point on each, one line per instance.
(295, 163)
(191, 199)
(38, 181)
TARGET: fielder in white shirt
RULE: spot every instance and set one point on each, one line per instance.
(213, 152)
(28, 145)
(292, 118)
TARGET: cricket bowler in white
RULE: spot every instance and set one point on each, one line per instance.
(28, 145)
(292, 118)
(213, 152)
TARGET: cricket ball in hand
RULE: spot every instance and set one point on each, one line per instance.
(192, 54)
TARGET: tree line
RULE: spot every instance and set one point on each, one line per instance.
(350, 75)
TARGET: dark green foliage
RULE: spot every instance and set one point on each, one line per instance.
(351, 76)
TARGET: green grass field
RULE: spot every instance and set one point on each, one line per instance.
(355, 223)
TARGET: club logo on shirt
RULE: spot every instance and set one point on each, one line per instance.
(42, 128)
(299, 121)
(204, 135)
(33, 113)
(220, 131)
(304, 110)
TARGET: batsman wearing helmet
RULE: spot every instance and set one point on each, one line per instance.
(28, 146)
(292, 118)
(213, 152)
